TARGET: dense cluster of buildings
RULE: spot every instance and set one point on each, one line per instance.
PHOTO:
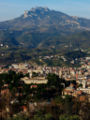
(81, 75)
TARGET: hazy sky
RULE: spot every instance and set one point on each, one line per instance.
(13, 8)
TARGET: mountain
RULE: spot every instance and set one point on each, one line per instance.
(46, 20)
(42, 31)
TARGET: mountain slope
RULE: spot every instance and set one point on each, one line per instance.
(26, 45)
(44, 20)
(42, 31)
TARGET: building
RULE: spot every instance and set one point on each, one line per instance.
(35, 80)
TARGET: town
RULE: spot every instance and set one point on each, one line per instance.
(37, 74)
(31, 84)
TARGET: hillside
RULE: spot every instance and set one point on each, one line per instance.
(42, 31)
(25, 46)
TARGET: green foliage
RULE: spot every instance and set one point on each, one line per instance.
(48, 116)
(75, 54)
(34, 74)
(67, 117)
(42, 116)
(59, 100)
(19, 117)
(15, 85)
(54, 83)
(68, 104)
(54, 80)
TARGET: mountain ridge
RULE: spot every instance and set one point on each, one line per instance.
(43, 19)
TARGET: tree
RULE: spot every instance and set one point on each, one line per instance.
(34, 74)
(55, 82)
(85, 111)
(48, 116)
(19, 117)
(68, 104)
(67, 117)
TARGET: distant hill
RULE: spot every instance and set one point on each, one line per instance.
(42, 31)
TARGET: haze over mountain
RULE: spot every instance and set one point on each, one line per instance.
(42, 28)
